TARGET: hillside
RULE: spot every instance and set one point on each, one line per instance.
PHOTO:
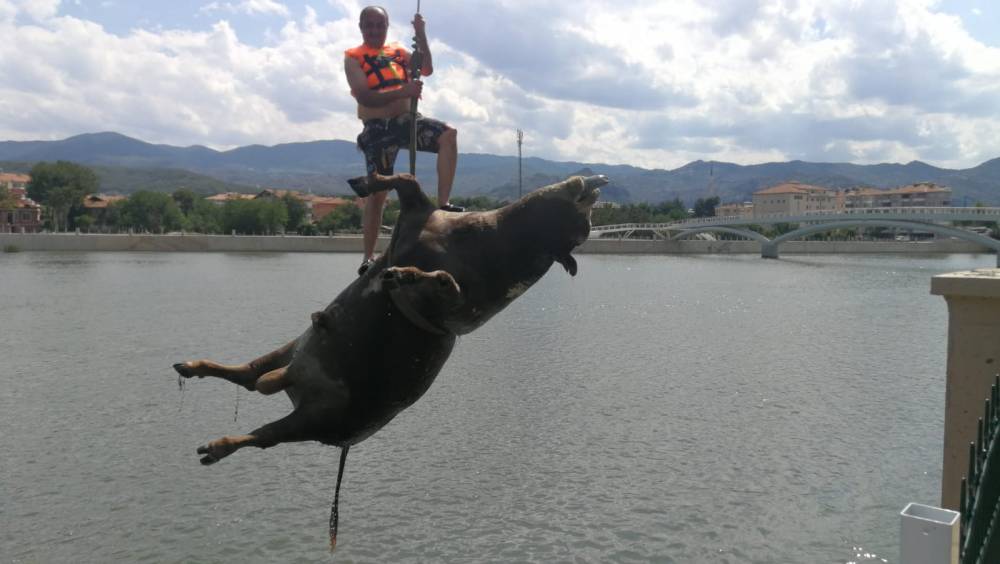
(125, 165)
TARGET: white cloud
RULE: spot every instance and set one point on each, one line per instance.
(654, 84)
(250, 7)
(172, 86)
(35, 9)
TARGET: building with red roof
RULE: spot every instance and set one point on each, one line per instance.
(23, 215)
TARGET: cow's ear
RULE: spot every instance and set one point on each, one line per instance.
(568, 262)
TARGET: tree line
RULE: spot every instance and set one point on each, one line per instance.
(643, 212)
(62, 186)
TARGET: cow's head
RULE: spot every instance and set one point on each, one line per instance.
(559, 216)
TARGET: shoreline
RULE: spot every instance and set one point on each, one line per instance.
(352, 244)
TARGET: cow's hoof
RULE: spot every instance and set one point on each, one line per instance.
(216, 450)
(394, 277)
(208, 458)
(397, 276)
(184, 370)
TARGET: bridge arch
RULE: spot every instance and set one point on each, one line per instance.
(770, 248)
(720, 229)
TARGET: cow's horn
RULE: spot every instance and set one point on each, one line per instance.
(596, 181)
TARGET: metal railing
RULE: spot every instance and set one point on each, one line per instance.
(980, 492)
(910, 213)
(928, 213)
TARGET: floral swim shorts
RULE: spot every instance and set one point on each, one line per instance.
(381, 139)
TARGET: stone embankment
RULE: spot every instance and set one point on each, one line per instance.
(352, 244)
(631, 246)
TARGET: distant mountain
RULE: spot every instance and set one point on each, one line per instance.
(124, 180)
(125, 164)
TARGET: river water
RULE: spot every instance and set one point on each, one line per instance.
(652, 409)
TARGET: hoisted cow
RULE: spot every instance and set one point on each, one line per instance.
(378, 347)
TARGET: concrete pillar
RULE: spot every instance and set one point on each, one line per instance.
(769, 250)
(973, 361)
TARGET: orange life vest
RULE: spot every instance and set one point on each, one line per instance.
(385, 67)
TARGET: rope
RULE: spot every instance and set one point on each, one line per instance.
(180, 387)
(417, 61)
(334, 513)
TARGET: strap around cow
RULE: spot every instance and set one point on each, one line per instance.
(414, 316)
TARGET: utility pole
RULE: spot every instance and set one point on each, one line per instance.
(520, 139)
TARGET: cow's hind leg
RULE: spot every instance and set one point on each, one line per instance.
(245, 375)
(273, 382)
(293, 427)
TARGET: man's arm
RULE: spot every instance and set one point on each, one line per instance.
(420, 33)
(371, 98)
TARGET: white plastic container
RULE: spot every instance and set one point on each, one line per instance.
(928, 535)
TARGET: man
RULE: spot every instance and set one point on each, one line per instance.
(380, 80)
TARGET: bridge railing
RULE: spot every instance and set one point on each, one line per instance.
(917, 210)
(944, 213)
(628, 227)
(927, 213)
(980, 490)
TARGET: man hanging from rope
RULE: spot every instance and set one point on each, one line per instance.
(379, 76)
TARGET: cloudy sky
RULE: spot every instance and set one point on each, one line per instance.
(652, 83)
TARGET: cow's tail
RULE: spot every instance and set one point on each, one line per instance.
(334, 516)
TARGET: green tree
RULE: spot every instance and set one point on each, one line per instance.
(205, 217)
(670, 210)
(239, 216)
(7, 200)
(705, 207)
(342, 218)
(603, 216)
(61, 202)
(85, 222)
(113, 215)
(185, 199)
(272, 215)
(61, 186)
(250, 217)
(296, 212)
(478, 203)
(151, 211)
(391, 213)
(663, 212)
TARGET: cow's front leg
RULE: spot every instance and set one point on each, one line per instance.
(245, 375)
(437, 286)
(424, 298)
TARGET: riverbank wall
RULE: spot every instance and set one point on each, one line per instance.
(352, 244)
(628, 246)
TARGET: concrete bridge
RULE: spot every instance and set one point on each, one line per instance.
(933, 220)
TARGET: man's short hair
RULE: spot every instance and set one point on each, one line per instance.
(370, 8)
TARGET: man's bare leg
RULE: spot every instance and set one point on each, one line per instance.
(371, 222)
(447, 161)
